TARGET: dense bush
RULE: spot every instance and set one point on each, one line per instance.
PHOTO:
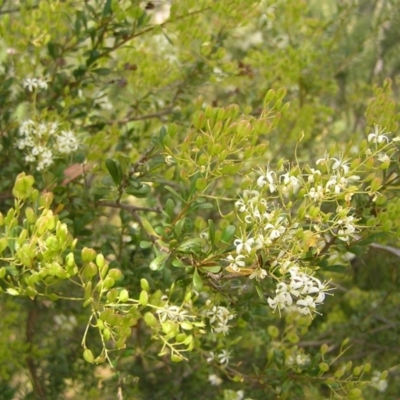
(199, 199)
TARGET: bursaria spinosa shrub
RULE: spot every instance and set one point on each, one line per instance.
(184, 211)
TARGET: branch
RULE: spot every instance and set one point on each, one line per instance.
(392, 250)
(14, 10)
(38, 389)
(143, 117)
(122, 121)
(128, 207)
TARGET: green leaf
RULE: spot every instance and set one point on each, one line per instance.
(140, 192)
(159, 262)
(145, 244)
(259, 291)
(214, 269)
(335, 268)
(201, 184)
(143, 298)
(193, 245)
(169, 188)
(163, 134)
(144, 284)
(197, 281)
(150, 319)
(201, 206)
(3, 244)
(148, 228)
(211, 231)
(114, 169)
(178, 263)
(107, 9)
(169, 208)
(12, 291)
(102, 71)
(228, 233)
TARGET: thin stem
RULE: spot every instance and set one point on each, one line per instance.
(38, 388)
(128, 207)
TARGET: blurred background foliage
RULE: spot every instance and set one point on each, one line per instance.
(117, 75)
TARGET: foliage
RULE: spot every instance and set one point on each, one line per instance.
(194, 196)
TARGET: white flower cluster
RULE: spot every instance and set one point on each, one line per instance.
(219, 317)
(302, 294)
(272, 223)
(298, 360)
(339, 181)
(273, 238)
(286, 181)
(377, 136)
(172, 313)
(34, 83)
(223, 357)
(378, 383)
(380, 141)
(44, 141)
(215, 380)
(346, 228)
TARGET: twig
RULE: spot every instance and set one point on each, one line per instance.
(393, 250)
(128, 207)
(143, 117)
(39, 390)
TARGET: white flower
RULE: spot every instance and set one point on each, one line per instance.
(173, 313)
(322, 160)
(259, 274)
(42, 84)
(299, 359)
(224, 357)
(236, 262)
(382, 157)
(211, 357)
(280, 301)
(33, 83)
(241, 244)
(169, 160)
(282, 298)
(276, 230)
(302, 359)
(377, 137)
(239, 395)
(29, 158)
(221, 328)
(305, 306)
(346, 228)
(340, 163)
(267, 178)
(316, 194)
(241, 205)
(26, 127)
(289, 182)
(30, 83)
(333, 183)
(314, 172)
(378, 383)
(221, 316)
(45, 158)
(262, 241)
(320, 298)
(214, 380)
(66, 142)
